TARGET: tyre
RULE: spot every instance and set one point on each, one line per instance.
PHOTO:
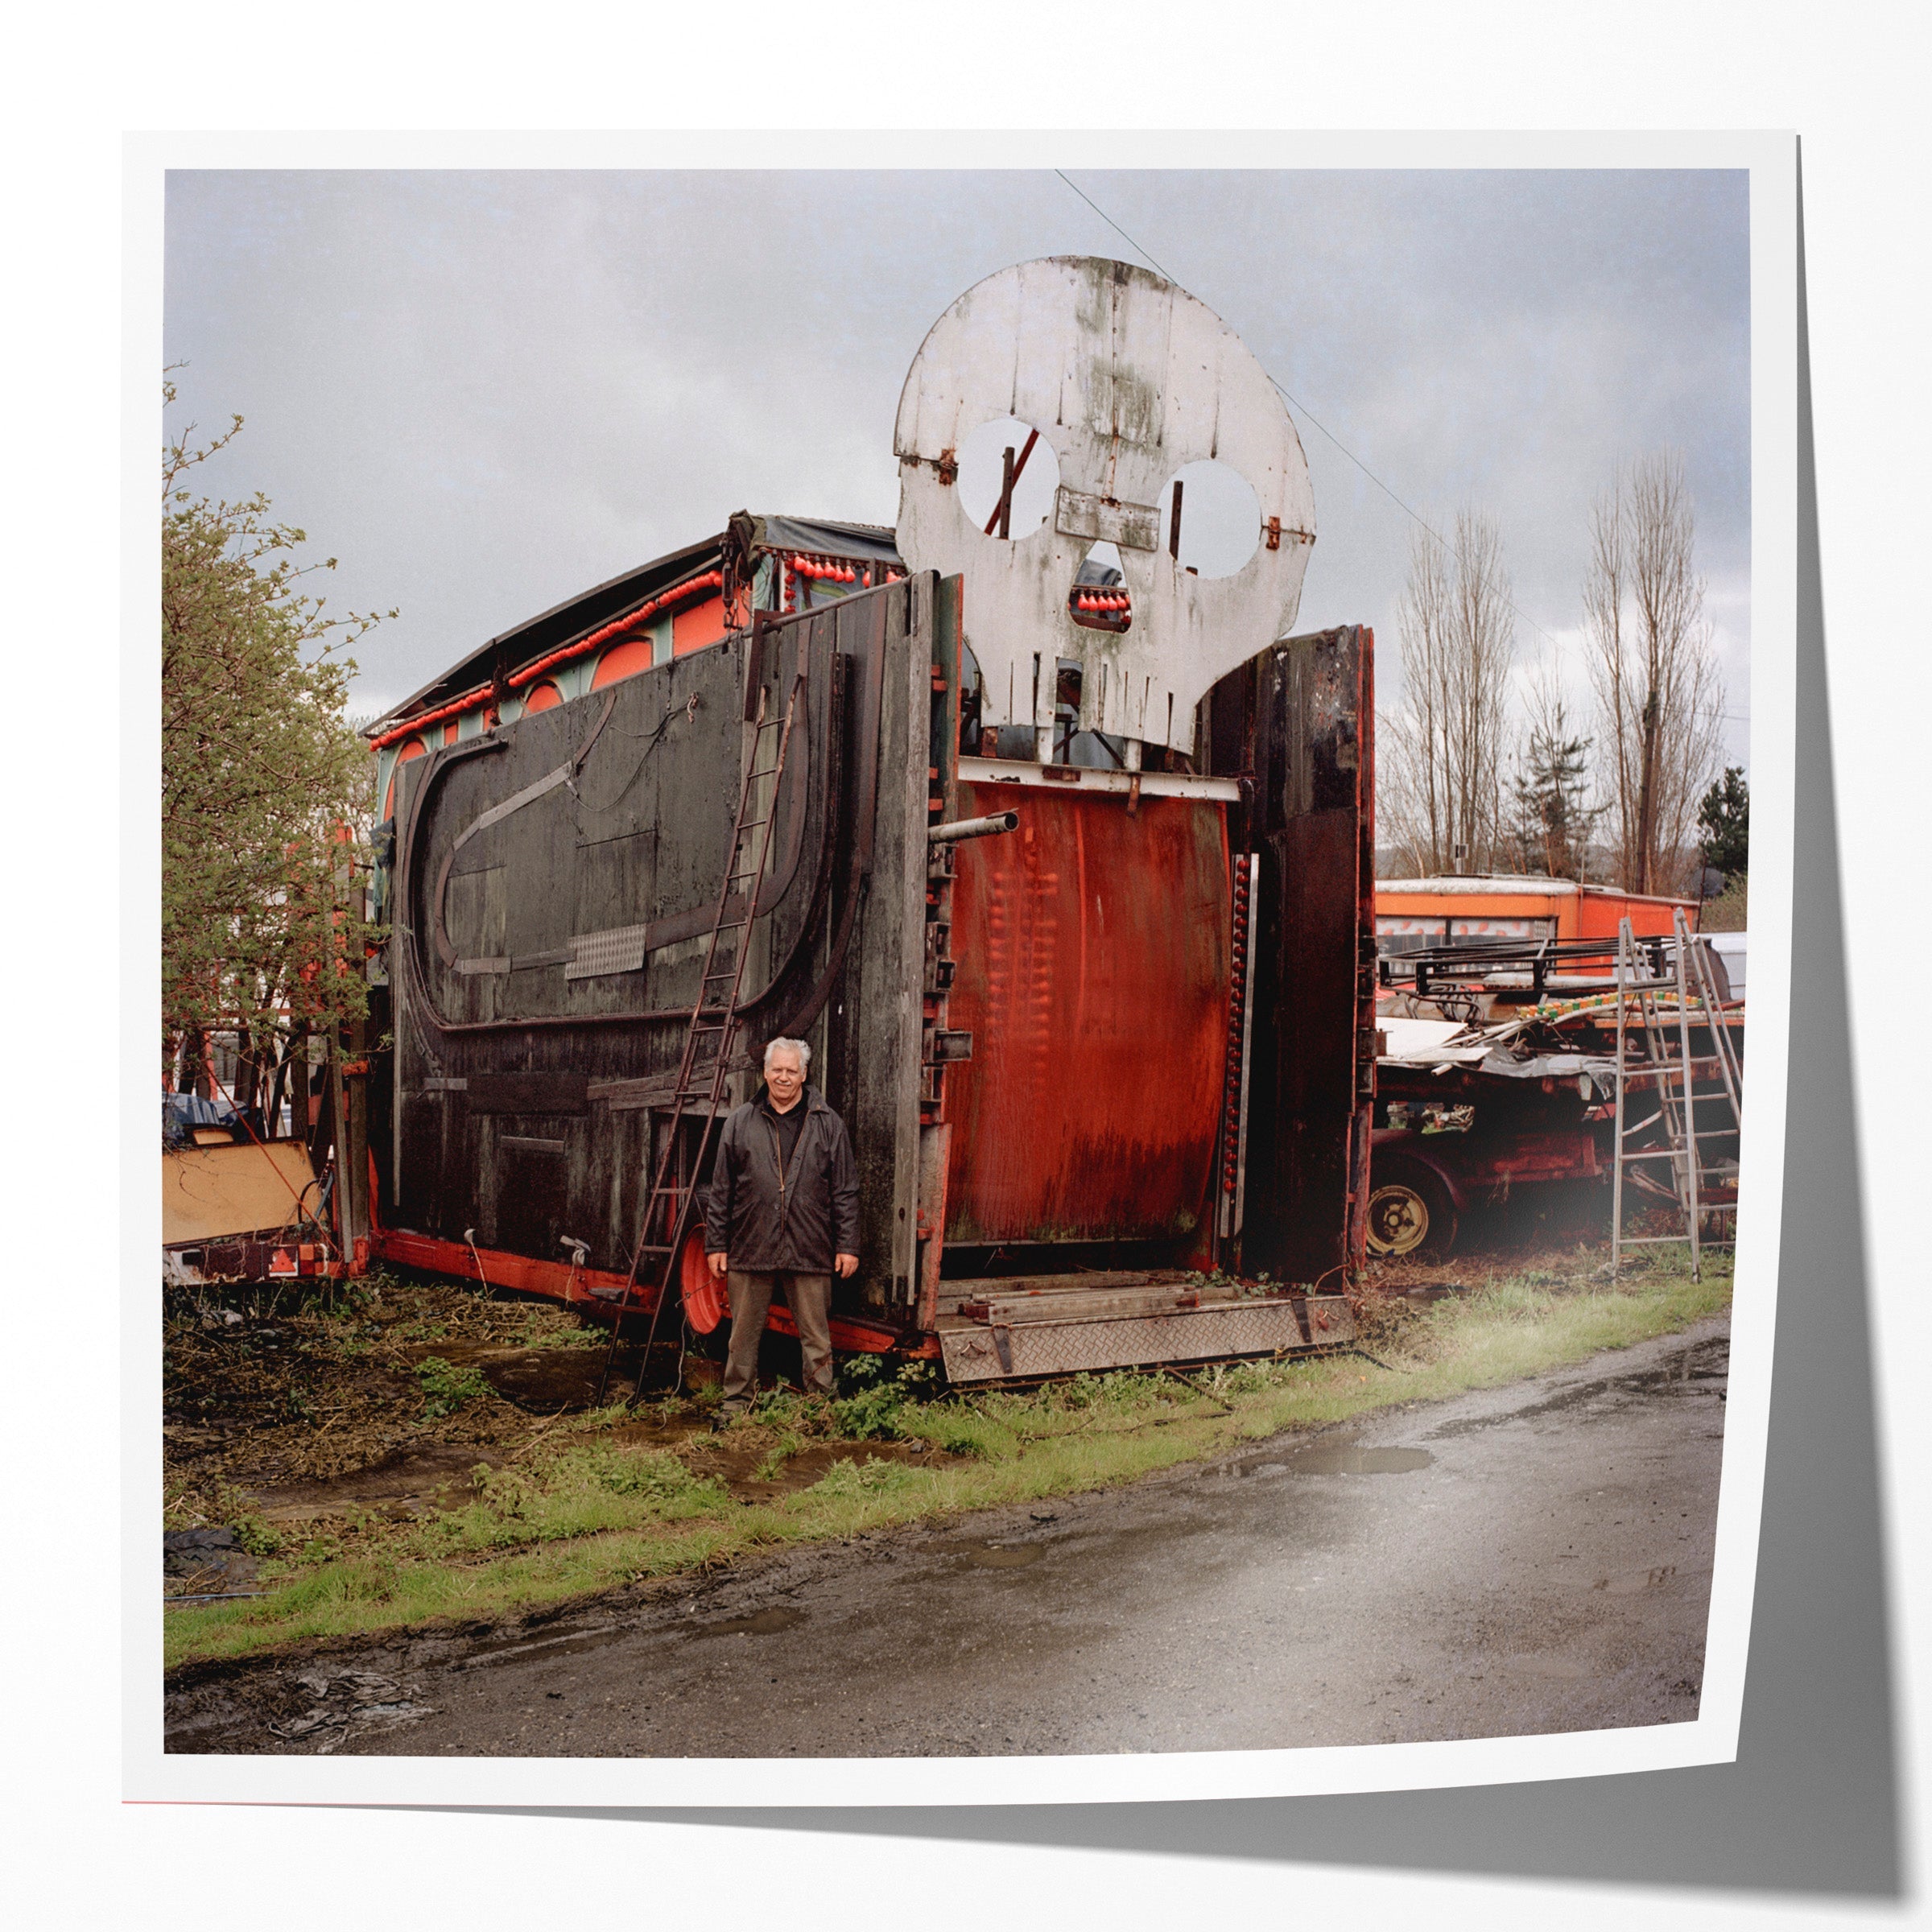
(1410, 1213)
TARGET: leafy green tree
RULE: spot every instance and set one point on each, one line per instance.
(1723, 823)
(265, 789)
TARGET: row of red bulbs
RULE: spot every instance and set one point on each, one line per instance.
(823, 567)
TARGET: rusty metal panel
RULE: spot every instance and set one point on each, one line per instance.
(880, 1104)
(1297, 721)
(996, 1351)
(1128, 379)
(1092, 962)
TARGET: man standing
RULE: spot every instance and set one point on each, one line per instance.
(782, 1213)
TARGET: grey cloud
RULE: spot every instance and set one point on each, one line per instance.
(485, 391)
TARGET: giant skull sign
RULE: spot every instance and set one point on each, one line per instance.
(1129, 380)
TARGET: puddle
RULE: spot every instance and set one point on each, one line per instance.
(438, 1472)
(1699, 1370)
(1348, 1459)
(547, 1381)
(766, 1623)
(1004, 1556)
(567, 1643)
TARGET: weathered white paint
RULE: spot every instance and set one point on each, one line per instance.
(1127, 378)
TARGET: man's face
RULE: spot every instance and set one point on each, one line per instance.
(785, 1077)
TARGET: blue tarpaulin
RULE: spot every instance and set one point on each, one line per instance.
(181, 1113)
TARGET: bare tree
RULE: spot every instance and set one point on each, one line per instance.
(1442, 803)
(1659, 699)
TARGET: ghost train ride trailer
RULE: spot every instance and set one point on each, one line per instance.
(1102, 1070)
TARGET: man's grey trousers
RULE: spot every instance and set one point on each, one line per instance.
(808, 1296)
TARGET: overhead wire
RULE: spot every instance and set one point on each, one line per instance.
(1295, 403)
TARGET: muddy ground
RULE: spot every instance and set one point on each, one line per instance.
(285, 1421)
(1529, 1559)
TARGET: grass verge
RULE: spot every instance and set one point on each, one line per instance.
(590, 1514)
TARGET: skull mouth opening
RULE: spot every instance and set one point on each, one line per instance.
(1099, 599)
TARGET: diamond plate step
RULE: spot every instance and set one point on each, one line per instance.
(1048, 1343)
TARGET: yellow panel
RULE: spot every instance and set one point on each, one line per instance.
(210, 1192)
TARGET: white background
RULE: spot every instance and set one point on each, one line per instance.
(1849, 81)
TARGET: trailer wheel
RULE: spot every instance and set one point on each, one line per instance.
(1410, 1211)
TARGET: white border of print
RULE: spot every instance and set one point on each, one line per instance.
(149, 1774)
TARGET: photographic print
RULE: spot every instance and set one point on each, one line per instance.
(958, 965)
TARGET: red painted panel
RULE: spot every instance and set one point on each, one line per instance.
(1092, 953)
(850, 1335)
(623, 660)
(415, 748)
(1600, 912)
(701, 625)
(556, 1279)
(542, 697)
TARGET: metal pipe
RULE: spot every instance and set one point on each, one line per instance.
(1693, 1212)
(1002, 511)
(971, 828)
(1624, 947)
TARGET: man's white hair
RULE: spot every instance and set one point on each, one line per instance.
(798, 1046)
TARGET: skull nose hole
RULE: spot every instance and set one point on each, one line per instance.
(1099, 598)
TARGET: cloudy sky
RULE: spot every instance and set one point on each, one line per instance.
(484, 392)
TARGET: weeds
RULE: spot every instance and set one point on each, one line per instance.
(446, 1386)
(877, 1397)
(591, 1512)
(847, 1481)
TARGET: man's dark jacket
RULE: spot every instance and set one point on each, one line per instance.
(815, 1217)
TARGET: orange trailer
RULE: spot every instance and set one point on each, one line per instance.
(1412, 915)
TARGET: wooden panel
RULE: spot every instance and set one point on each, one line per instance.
(542, 1092)
(640, 836)
(206, 1192)
(885, 1118)
(1297, 719)
(533, 1192)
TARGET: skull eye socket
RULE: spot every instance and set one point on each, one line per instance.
(1221, 519)
(982, 472)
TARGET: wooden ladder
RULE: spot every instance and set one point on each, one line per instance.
(1640, 981)
(712, 1029)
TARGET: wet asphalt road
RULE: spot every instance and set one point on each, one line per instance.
(1535, 1559)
